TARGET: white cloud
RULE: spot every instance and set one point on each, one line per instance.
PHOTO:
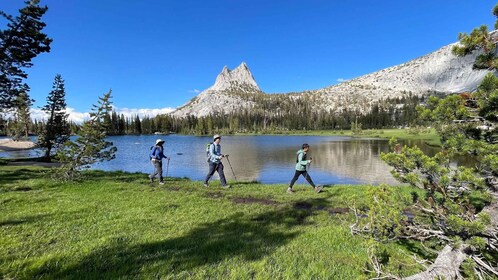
(37, 114)
(340, 80)
(194, 91)
(127, 112)
(79, 117)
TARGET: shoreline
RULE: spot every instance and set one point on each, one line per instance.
(9, 145)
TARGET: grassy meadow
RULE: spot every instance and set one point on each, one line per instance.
(117, 225)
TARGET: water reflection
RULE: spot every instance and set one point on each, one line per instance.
(267, 159)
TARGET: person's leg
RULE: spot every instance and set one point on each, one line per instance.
(153, 174)
(294, 179)
(222, 174)
(155, 163)
(308, 178)
(212, 168)
(160, 171)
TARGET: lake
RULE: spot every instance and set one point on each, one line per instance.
(266, 159)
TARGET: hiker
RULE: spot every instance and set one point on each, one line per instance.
(156, 157)
(214, 159)
(301, 164)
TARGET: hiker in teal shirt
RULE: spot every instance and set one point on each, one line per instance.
(301, 164)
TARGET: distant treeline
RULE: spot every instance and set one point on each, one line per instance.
(387, 113)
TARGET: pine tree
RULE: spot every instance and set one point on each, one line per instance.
(458, 203)
(138, 125)
(56, 131)
(22, 41)
(22, 118)
(479, 39)
(91, 146)
(122, 125)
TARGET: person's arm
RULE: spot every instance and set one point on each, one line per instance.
(301, 161)
(161, 153)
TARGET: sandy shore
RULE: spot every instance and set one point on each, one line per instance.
(7, 145)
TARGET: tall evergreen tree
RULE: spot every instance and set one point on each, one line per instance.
(91, 145)
(122, 125)
(22, 41)
(22, 118)
(56, 131)
(138, 125)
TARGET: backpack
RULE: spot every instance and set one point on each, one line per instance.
(297, 157)
(208, 145)
(152, 152)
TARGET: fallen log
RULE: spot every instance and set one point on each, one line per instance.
(446, 265)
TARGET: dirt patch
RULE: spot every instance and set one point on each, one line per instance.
(336, 211)
(173, 189)
(22, 189)
(301, 205)
(321, 207)
(250, 200)
(215, 195)
(35, 163)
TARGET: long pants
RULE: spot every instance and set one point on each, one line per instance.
(216, 167)
(158, 170)
(306, 176)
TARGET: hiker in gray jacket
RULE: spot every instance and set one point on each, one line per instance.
(301, 164)
(215, 164)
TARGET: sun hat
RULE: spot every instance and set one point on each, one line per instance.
(158, 141)
(216, 136)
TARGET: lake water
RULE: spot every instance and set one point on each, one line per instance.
(267, 159)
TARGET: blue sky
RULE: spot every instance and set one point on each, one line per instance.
(159, 54)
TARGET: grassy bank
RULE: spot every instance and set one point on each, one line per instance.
(116, 224)
(429, 137)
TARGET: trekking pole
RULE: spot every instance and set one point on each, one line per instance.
(232, 169)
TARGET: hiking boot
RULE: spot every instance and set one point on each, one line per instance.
(289, 190)
(318, 188)
(206, 185)
(161, 183)
(226, 186)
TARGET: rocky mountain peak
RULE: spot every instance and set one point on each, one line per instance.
(438, 72)
(238, 79)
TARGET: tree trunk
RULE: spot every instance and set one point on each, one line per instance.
(446, 265)
(47, 157)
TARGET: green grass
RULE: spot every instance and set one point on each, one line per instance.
(116, 225)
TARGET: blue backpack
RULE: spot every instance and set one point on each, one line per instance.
(152, 152)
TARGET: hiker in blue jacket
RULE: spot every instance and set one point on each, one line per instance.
(156, 158)
(301, 164)
(215, 164)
